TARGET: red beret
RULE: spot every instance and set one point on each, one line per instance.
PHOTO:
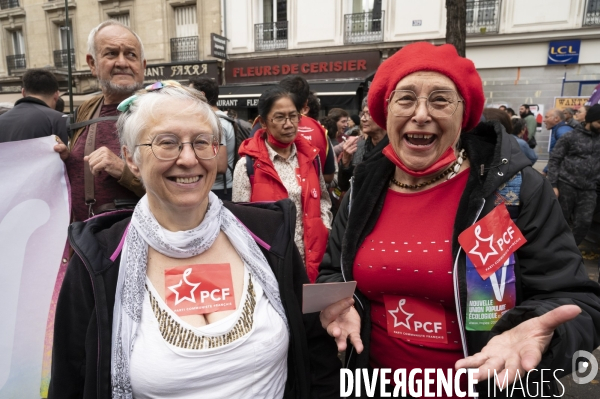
(425, 56)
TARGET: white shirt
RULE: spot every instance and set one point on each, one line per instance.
(251, 366)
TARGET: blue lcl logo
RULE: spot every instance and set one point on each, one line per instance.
(564, 52)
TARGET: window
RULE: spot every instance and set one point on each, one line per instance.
(186, 23)
(61, 56)
(592, 13)
(18, 43)
(483, 16)
(365, 24)
(273, 32)
(122, 18)
(184, 47)
(17, 59)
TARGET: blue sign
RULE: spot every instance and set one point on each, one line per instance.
(564, 52)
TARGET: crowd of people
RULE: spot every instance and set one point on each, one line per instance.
(169, 192)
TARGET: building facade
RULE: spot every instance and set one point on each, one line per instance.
(510, 42)
(176, 36)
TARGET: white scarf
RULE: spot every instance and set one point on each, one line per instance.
(144, 230)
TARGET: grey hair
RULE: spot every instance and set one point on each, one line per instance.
(91, 43)
(364, 103)
(558, 113)
(140, 115)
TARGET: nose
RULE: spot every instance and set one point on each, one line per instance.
(421, 114)
(121, 60)
(187, 156)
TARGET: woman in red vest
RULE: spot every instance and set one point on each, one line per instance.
(278, 163)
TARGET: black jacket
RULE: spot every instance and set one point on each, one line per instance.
(32, 118)
(365, 151)
(549, 270)
(575, 160)
(83, 325)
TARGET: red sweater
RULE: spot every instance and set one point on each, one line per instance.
(409, 252)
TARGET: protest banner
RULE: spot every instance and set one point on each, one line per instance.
(34, 217)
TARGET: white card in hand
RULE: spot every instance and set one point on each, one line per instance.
(316, 297)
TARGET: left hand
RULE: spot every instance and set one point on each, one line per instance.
(104, 159)
(519, 348)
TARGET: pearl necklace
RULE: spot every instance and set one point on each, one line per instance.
(452, 171)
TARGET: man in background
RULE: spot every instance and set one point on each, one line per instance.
(530, 121)
(33, 115)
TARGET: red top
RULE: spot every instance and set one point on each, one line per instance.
(409, 252)
(106, 187)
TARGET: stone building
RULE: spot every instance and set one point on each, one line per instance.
(176, 36)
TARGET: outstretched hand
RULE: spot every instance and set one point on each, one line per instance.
(342, 322)
(520, 348)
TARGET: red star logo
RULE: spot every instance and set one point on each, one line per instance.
(489, 241)
(406, 316)
(185, 293)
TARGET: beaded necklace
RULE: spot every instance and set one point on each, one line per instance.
(452, 171)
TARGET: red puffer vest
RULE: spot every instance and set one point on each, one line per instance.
(267, 186)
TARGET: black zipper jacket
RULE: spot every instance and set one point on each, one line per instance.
(84, 313)
(549, 270)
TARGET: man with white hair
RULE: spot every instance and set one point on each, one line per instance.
(100, 179)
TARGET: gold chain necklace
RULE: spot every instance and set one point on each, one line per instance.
(452, 171)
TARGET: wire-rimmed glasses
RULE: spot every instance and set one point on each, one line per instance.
(281, 120)
(167, 147)
(440, 103)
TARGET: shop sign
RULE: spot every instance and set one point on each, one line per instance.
(569, 102)
(181, 71)
(218, 46)
(563, 52)
(311, 67)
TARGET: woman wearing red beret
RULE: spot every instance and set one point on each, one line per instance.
(459, 249)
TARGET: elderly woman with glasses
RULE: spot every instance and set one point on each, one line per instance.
(186, 297)
(279, 163)
(458, 247)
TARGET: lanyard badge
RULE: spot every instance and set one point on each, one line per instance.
(490, 245)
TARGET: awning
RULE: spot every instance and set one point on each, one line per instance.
(331, 94)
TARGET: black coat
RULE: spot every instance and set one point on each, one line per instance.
(549, 270)
(32, 118)
(84, 314)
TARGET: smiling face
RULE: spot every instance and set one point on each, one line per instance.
(420, 140)
(180, 186)
(283, 132)
(117, 64)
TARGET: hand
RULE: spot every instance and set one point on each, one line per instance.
(520, 348)
(349, 147)
(556, 191)
(62, 149)
(342, 321)
(104, 159)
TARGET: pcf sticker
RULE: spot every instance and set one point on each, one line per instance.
(490, 241)
(199, 289)
(415, 319)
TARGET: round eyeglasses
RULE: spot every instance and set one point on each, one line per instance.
(167, 147)
(440, 103)
(281, 120)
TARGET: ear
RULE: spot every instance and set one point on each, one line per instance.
(23, 92)
(263, 124)
(56, 95)
(130, 163)
(91, 63)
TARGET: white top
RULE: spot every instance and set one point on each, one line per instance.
(248, 357)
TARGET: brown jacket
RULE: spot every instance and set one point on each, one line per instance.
(84, 113)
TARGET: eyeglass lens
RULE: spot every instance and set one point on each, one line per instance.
(280, 119)
(440, 103)
(167, 147)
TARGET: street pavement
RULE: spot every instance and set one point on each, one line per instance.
(592, 389)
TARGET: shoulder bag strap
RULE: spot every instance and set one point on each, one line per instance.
(88, 177)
